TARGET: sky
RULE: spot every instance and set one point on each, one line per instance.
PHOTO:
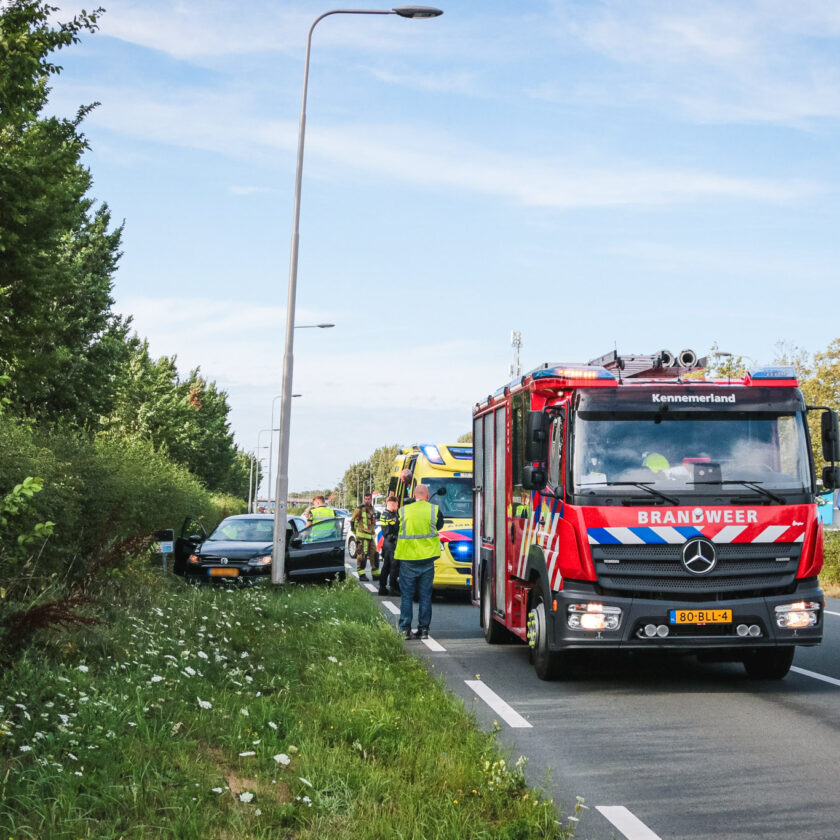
(638, 175)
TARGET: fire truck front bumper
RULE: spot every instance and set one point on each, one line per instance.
(579, 617)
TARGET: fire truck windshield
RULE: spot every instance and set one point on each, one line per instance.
(757, 456)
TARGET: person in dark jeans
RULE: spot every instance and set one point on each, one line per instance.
(418, 546)
(390, 570)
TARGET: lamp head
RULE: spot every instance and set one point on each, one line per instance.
(418, 11)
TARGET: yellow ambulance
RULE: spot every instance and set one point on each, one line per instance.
(437, 466)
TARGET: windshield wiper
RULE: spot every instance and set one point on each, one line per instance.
(644, 485)
(750, 485)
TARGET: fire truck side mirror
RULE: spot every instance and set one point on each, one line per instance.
(830, 436)
(831, 478)
(536, 444)
(533, 478)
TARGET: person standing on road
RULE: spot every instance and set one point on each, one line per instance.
(390, 571)
(317, 514)
(364, 527)
(418, 546)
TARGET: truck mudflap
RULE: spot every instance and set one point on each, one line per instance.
(580, 618)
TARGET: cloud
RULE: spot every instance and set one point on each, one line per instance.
(429, 159)
(752, 61)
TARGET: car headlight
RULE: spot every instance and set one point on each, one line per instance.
(798, 615)
(262, 560)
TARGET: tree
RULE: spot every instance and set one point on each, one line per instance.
(59, 339)
(465, 438)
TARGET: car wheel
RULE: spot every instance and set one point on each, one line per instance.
(351, 546)
(547, 663)
(769, 663)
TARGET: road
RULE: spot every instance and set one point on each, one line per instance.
(668, 747)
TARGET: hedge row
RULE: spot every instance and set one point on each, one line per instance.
(98, 492)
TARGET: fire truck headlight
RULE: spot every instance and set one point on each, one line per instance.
(798, 615)
(593, 617)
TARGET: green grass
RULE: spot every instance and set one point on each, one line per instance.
(246, 714)
(830, 575)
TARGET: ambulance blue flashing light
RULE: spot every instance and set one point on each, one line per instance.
(777, 372)
(573, 372)
(432, 453)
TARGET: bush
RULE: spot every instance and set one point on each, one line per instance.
(99, 492)
(830, 576)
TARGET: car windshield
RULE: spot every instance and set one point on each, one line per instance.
(244, 530)
(457, 503)
(684, 454)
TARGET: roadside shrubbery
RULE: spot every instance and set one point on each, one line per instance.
(830, 576)
(97, 491)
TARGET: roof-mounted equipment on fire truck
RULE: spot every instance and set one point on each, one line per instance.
(662, 365)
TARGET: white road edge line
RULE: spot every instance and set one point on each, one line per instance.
(626, 822)
(830, 612)
(391, 607)
(509, 715)
(815, 675)
(431, 644)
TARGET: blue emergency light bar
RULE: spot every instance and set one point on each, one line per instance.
(432, 453)
(778, 372)
(580, 372)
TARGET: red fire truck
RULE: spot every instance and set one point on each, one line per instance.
(630, 504)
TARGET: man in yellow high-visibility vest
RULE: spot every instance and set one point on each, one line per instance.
(418, 546)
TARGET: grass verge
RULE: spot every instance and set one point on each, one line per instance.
(247, 714)
(830, 575)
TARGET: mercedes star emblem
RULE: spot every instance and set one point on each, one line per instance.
(699, 556)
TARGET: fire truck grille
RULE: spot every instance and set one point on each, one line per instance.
(657, 570)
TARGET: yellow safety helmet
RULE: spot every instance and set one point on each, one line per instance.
(655, 462)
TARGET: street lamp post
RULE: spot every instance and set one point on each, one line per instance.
(278, 565)
(258, 461)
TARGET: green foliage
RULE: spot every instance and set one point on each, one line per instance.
(465, 438)
(60, 341)
(15, 545)
(185, 419)
(95, 493)
(724, 365)
(372, 472)
(262, 713)
(830, 575)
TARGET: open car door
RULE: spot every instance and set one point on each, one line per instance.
(192, 535)
(317, 550)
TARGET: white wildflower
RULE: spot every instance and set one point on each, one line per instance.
(282, 758)
(216, 790)
(156, 678)
(244, 712)
(272, 724)
(246, 754)
(25, 748)
(246, 797)
(84, 668)
(332, 659)
(202, 655)
(204, 704)
(190, 672)
(305, 781)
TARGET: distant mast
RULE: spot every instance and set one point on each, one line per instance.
(515, 369)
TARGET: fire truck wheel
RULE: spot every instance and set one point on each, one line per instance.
(769, 663)
(494, 633)
(547, 663)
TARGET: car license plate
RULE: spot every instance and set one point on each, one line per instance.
(700, 616)
(223, 572)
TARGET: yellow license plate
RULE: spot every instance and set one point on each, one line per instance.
(223, 572)
(701, 616)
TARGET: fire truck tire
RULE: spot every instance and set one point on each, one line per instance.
(494, 633)
(547, 663)
(769, 663)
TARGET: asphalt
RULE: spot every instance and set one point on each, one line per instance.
(665, 747)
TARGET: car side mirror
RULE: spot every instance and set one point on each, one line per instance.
(295, 542)
(536, 443)
(830, 436)
(195, 538)
(533, 478)
(831, 477)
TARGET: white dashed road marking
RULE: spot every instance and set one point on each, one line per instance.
(830, 612)
(431, 644)
(815, 675)
(509, 715)
(391, 607)
(371, 588)
(626, 822)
